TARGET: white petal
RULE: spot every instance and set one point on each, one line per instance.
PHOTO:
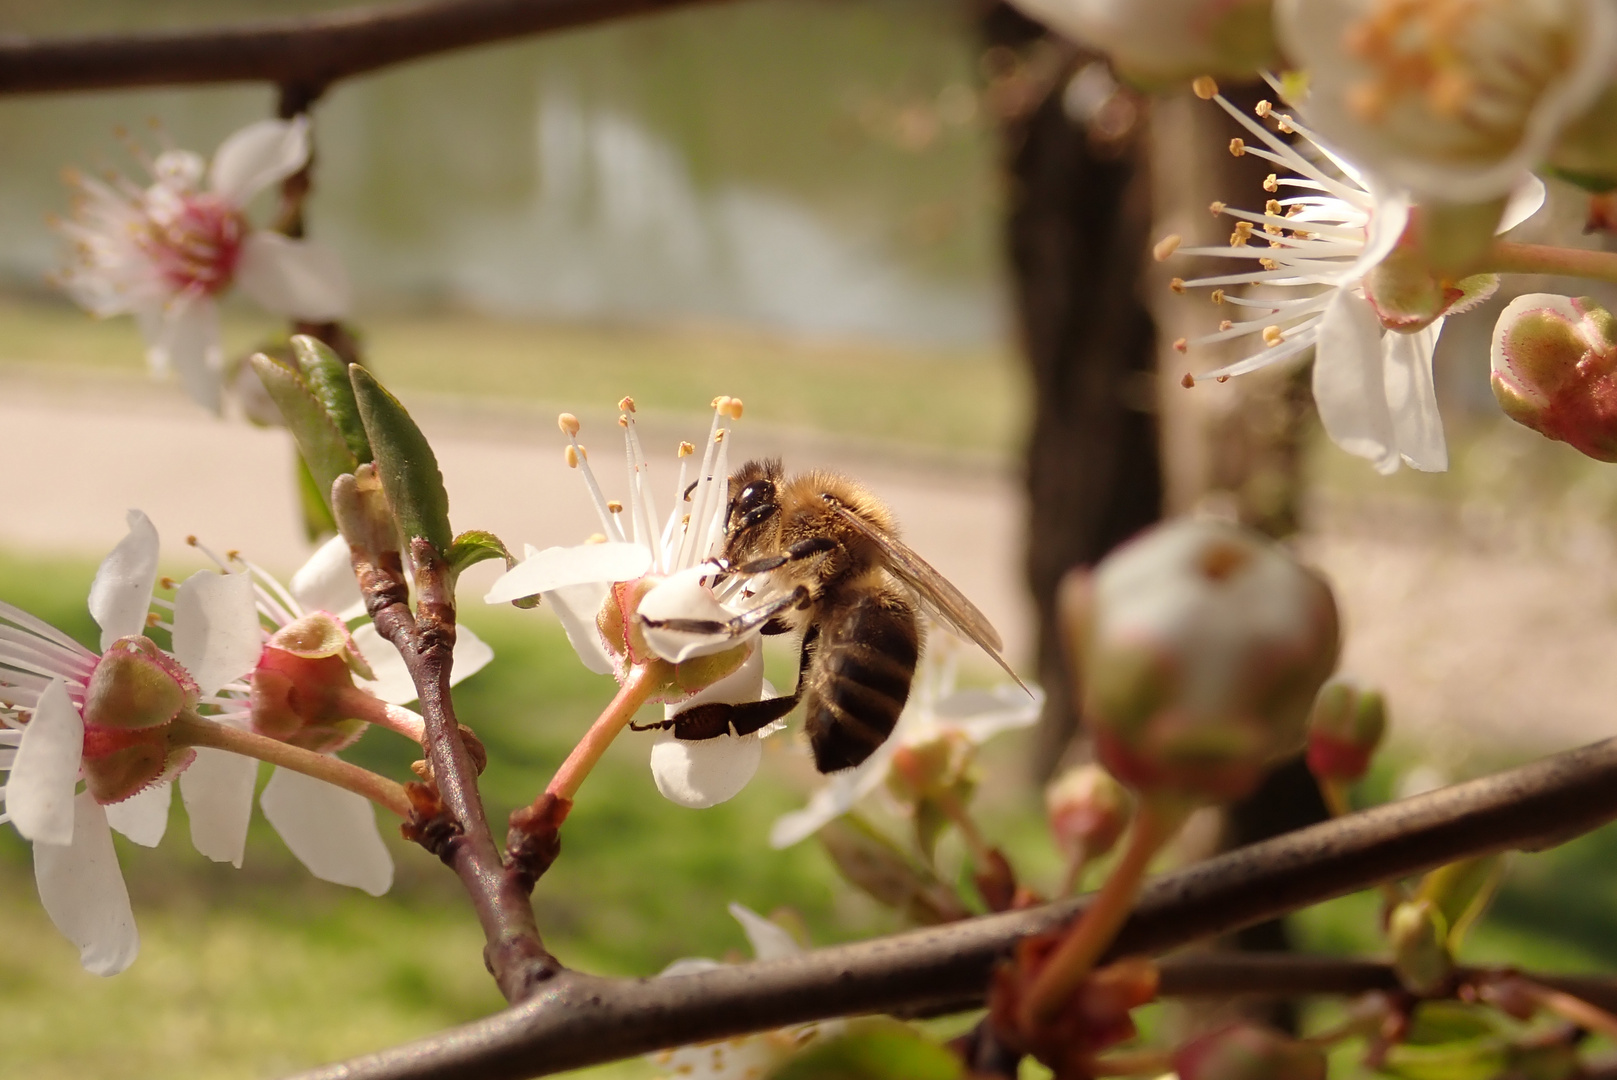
(745, 683)
(82, 890)
(39, 792)
(1388, 219)
(218, 794)
(1525, 200)
(121, 594)
(217, 637)
(189, 344)
(1412, 398)
(558, 567)
(392, 683)
(331, 831)
(143, 817)
(835, 797)
(683, 596)
(326, 582)
(770, 941)
(704, 772)
(1349, 386)
(257, 156)
(297, 278)
(472, 655)
(577, 606)
(982, 714)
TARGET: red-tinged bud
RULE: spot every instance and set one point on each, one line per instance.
(1201, 645)
(1344, 730)
(1247, 1051)
(1087, 811)
(1554, 362)
(136, 685)
(1094, 1018)
(925, 770)
(303, 689)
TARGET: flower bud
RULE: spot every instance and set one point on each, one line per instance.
(1420, 953)
(1202, 646)
(1554, 362)
(136, 685)
(1344, 729)
(1087, 811)
(1247, 1051)
(924, 770)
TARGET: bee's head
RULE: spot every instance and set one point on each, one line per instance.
(753, 493)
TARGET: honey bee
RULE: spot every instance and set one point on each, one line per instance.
(852, 589)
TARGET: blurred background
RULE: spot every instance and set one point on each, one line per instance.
(911, 235)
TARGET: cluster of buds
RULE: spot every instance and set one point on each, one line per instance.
(1200, 646)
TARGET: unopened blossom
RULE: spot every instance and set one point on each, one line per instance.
(746, 1057)
(1452, 99)
(69, 716)
(938, 713)
(1160, 40)
(1554, 369)
(1334, 279)
(613, 595)
(165, 251)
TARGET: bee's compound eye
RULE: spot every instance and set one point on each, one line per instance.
(755, 494)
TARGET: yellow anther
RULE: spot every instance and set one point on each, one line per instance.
(1177, 284)
(1284, 123)
(1274, 230)
(735, 408)
(1263, 108)
(1181, 344)
(1166, 246)
(1302, 234)
(1217, 296)
(1188, 381)
(1268, 264)
(1226, 324)
(191, 540)
(152, 618)
(718, 402)
(626, 404)
(686, 449)
(572, 454)
(1237, 147)
(1242, 233)
(1204, 87)
(623, 420)
(1272, 207)
(718, 436)
(614, 506)
(1215, 207)
(1272, 336)
(1271, 183)
(166, 582)
(596, 538)
(1223, 379)
(568, 423)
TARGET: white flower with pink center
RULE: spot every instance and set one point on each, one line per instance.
(164, 252)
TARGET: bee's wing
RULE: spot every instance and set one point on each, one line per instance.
(937, 595)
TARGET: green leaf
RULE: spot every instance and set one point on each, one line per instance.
(318, 522)
(326, 374)
(322, 445)
(474, 546)
(405, 463)
(876, 1050)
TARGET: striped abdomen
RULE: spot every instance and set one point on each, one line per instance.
(866, 644)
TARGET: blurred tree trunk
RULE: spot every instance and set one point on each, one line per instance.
(1078, 222)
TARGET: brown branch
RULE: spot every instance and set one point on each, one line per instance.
(582, 1020)
(461, 837)
(306, 53)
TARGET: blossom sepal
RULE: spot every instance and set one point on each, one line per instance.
(303, 689)
(136, 685)
(1554, 369)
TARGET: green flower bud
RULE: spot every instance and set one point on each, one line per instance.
(1420, 954)
(1344, 729)
(1202, 646)
(1554, 363)
(1247, 1051)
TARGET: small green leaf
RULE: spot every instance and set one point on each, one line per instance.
(875, 1050)
(405, 463)
(327, 376)
(318, 522)
(323, 448)
(474, 546)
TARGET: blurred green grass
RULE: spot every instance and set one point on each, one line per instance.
(966, 399)
(260, 971)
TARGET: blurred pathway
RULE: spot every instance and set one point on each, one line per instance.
(1483, 642)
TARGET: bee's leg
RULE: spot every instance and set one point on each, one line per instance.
(739, 625)
(655, 725)
(713, 719)
(803, 549)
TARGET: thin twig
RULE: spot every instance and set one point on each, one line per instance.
(304, 54)
(582, 1020)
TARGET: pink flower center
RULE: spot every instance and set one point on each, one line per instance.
(199, 244)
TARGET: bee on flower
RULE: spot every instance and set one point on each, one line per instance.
(166, 251)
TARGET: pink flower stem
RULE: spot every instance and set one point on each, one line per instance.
(1508, 258)
(365, 706)
(1075, 957)
(188, 730)
(635, 691)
